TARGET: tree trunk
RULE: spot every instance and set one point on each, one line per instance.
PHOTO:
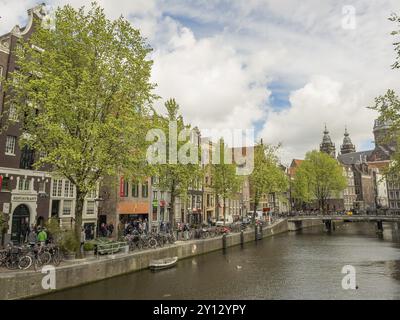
(224, 210)
(172, 211)
(80, 199)
(274, 200)
(256, 200)
(172, 205)
(217, 207)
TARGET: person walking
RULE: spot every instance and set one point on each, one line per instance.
(111, 229)
(42, 236)
(145, 226)
(186, 231)
(32, 237)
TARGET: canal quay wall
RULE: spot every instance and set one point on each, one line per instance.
(19, 285)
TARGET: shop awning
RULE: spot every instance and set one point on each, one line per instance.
(131, 207)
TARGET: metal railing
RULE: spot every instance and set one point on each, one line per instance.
(111, 248)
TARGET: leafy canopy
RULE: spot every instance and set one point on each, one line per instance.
(82, 92)
(267, 176)
(388, 107)
(319, 177)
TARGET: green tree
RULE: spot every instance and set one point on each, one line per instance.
(82, 94)
(267, 176)
(318, 177)
(177, 172)
(225, 182)
(388, 107)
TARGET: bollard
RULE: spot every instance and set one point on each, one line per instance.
(224, 241)
(256, 232)
(241, 238)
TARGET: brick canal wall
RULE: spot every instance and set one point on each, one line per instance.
(18, 285)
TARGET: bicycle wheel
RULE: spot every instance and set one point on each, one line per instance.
(172, 239)
(45, 258)
(56, 258)
(25, 262)
(12, 264)
(152, 243)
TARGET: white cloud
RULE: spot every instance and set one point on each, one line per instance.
(219, 58)
(322, 100)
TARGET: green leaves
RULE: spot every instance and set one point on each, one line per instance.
(268, 176)
(319, 177)
(225, 181)
(388, 106)
(175, 176)
(84, 96)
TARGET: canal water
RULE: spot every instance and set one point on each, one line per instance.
(302, 265)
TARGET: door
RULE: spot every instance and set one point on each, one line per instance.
(55, 207)
(20, 223)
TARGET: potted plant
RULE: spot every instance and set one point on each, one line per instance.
(88, 248)
(69, 245)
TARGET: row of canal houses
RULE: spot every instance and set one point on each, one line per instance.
(30, 196)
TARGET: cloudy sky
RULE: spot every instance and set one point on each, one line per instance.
(282, 67)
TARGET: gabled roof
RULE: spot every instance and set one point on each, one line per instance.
(293, 166)
(354, 157)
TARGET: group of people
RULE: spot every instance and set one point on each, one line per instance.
(139, 225)
(183, 230)
(37, 235)
(106, 230)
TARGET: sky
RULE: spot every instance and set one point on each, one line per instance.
(282, 67)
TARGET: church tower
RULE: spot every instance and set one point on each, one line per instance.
(327, 145)
(347, 146)
(381, 132)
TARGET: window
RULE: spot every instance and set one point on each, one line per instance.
(92, 194)
(10, 145)
(145, 190)
(27, 158)
(5, 184)
(67, 208)
(125, 188)
(155, 195)
(90, 207)
(162, 195)
(42, 187)
(135, 190)
(12, 113)
(23, 184)
(68, 189)
(57, 188)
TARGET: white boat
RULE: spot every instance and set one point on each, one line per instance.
(163, 263)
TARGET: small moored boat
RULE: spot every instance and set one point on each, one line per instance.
(163, 263)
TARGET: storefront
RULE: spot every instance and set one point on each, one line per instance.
(129, 211)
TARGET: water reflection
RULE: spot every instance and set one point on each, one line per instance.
(302, 265)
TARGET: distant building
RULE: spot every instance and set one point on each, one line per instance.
(374, 190)
(347, 146)
(327, 145)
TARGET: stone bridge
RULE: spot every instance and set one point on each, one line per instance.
(296, 222)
